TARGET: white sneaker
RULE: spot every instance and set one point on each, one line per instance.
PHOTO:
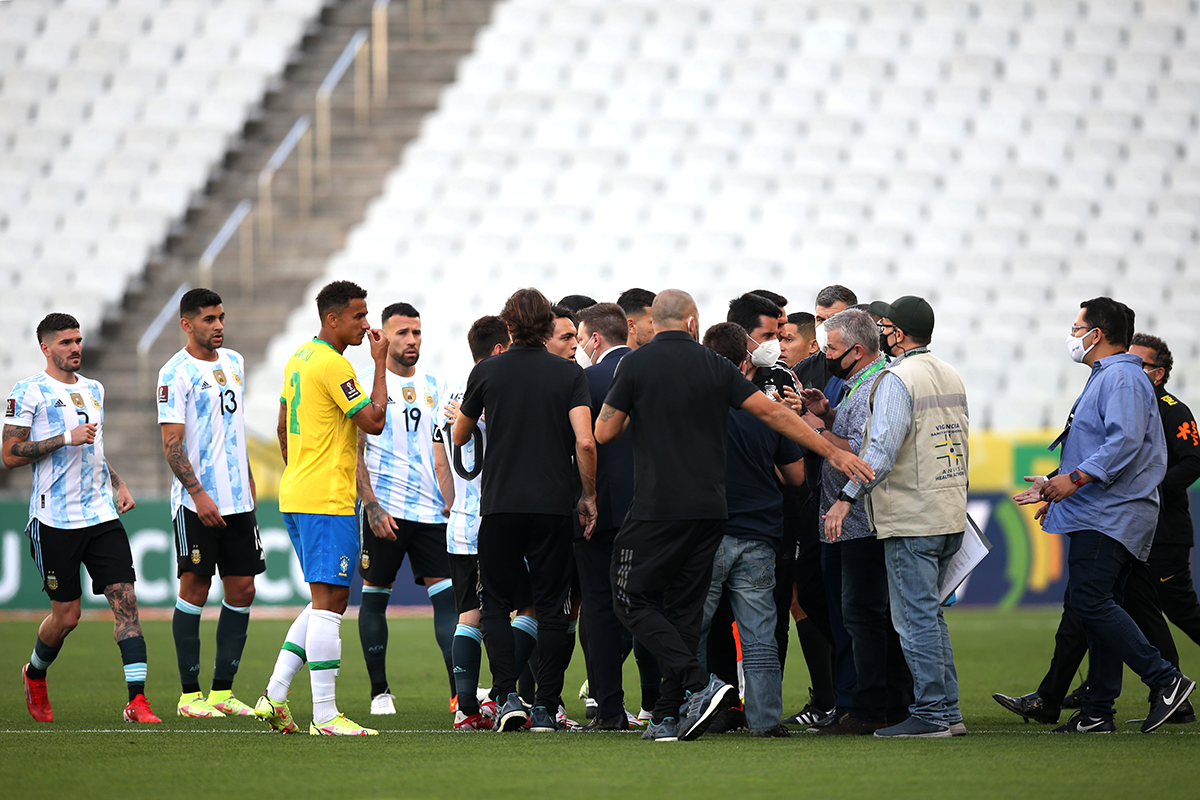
(633, 718)
(382, 704)
(644, 715)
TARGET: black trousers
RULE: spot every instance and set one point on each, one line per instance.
(814, 599)
(661, 571)
(1171, 566)
(605, 648)
(506, 543)
(1140, 601)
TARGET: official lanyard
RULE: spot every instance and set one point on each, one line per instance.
(866, 374)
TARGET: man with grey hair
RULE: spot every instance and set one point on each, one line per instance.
(856, 572)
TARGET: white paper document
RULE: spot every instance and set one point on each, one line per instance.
(974, 547)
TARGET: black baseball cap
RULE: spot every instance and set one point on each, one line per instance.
(910, 314)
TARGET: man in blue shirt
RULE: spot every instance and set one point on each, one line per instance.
(1105, 498)
(745, 558)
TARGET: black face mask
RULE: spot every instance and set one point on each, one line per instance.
(884, 347)
(837, 368)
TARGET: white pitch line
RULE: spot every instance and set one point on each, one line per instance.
(167, 731)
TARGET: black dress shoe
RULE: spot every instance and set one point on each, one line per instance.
(836, 716)
(1029, 707)
(778, 732)
(614, 724)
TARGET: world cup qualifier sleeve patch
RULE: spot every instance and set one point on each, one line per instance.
(10, 410)
(351, 390)
(164, 394)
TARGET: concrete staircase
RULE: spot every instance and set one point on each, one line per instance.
(421, 63)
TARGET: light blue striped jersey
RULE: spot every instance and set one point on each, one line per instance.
(462, 530)
(71, 486)
(400, 459)
(206, 398)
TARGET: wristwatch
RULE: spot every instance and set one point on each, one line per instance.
(819, 431)
(1076, 478)
(842, 496)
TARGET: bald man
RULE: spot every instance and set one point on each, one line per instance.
(674, 395)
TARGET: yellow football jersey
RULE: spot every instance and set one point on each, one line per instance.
(321, 394)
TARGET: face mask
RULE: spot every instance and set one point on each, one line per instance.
(822, 338)
(582, 358)
(884, 347)
(766, 355)
(837, 366)
(1076, 349)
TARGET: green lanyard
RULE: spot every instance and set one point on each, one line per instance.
(868, 373)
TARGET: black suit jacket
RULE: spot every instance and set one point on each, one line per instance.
(614, 461)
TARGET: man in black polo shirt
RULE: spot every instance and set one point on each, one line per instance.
(675, 395)
(538, 417)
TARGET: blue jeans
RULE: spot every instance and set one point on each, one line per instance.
(747, 568)
(1097, 567)
(916, 566)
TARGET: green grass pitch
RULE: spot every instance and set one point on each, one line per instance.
(88, 748)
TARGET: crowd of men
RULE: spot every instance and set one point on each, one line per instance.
(615, 472)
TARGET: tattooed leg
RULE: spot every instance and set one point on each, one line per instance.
(125, 611)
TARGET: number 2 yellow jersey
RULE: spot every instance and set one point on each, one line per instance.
(320, 393)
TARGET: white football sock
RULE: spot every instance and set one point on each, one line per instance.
(291, 657)
(324, 646)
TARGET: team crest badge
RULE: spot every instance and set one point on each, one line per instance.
(237, 378)
(410, 394)
(429, 398)
(345, 565)
(219, 374)
(365, 560)
(77, 399)
(51, 581)
(195, 554)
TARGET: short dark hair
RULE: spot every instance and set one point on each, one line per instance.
(195, 299)
(1114, 319)
(835, 293)
(774, 297)
(53, 323)
(1162, 353)
(563, 312)
(727, 339)
(806, 323)
(635, 301)
(608, 320)
(748, 310)
(576, 302)
(485, 333)
(528, 317)
(334, 297)
(399, 310)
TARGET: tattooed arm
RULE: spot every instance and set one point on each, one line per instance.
(124, 498)
(382, 523)
(281, 431)
(123, 602)
(177, 459)
(610, 424)
(18, 451)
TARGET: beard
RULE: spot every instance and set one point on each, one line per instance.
(64, 363)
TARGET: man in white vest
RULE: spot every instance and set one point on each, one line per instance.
(916, 434)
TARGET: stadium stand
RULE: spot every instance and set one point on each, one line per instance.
(113, 116)
(1006, 160)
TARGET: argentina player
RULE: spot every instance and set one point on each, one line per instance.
(200, 412)
(401, 509)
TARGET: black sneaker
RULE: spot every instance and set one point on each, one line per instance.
(1082, 723)
(731, 719)
(703, 705)
(1029, 707)
(542, 721)
(1183, 715)
(1075, 699)
(512, 716)
(811, 713)
(1166, 699)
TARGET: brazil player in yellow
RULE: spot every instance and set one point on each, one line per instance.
(321, 409)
